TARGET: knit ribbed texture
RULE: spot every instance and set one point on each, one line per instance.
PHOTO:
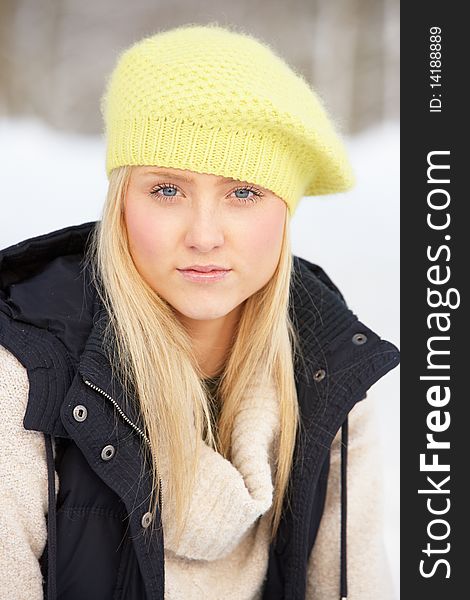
(213, 100)
(238, 572)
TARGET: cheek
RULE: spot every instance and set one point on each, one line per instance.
(144, 230)
(263, 239)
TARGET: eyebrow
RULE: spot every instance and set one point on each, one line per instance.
(187, 179)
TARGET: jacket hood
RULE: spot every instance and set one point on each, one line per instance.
(43, 284)
(53, 320)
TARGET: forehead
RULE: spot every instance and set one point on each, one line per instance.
(185, 175)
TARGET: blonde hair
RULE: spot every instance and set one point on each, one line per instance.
(153, 357)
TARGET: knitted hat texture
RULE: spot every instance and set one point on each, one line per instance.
(213, 100)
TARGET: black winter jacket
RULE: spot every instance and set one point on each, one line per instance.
(99, 545)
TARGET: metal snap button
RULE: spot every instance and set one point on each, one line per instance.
(147, 519)
(80, 413)
(359, 339)
(108, 452)
(319, 375)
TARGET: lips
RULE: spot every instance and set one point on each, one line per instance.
(213, 271)
(205, 268)
(208, 275)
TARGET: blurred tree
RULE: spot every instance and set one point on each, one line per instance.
(55, 54)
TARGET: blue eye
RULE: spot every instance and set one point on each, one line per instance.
(164, 187)
(246, 199)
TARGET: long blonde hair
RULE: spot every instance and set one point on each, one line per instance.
(153, 356)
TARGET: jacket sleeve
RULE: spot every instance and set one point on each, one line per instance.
(368, 573)
(23, 488)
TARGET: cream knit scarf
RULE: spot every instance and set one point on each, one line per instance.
(223, 551)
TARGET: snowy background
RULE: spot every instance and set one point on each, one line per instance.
(51, 180)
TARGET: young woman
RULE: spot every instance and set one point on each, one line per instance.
(176, 387)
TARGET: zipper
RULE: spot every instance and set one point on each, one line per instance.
(128, 421)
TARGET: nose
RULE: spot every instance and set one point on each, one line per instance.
(205, 230)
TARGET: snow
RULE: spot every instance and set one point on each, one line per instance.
(53, 179)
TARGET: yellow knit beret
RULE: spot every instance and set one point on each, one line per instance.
(213, 100)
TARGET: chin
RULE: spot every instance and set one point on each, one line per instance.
(202, 313)
(205, 315)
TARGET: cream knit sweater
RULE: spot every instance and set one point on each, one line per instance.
(223, 552)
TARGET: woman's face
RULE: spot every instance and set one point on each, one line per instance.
(177, 218)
